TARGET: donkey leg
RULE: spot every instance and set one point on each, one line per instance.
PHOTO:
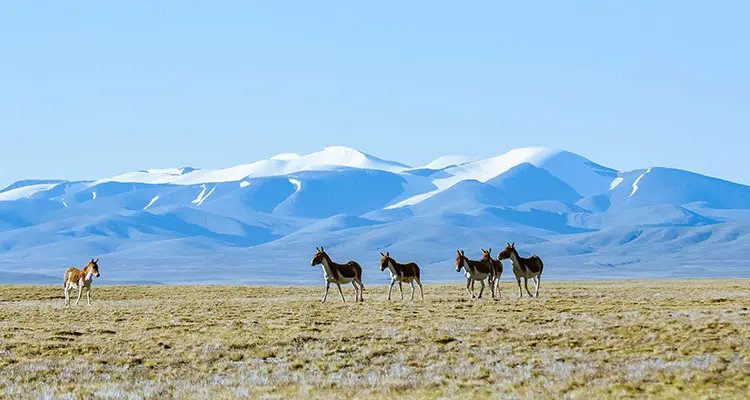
(421, 291)
(356, 295)
(401, 289)
(468, 287)
(526, 284)
(80, 292)
(390, 288)
(538, 283)
(67, 295)
(482, 289)
(341, 292)
(325, 296)
(520, 291)
(361, 289)
(412, 291)
(88, 295)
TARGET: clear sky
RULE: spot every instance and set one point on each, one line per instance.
(92, 89)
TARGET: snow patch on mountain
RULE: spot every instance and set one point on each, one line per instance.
(449, 161)
(203, 195)
(286, 157)
(25, 191)
(297, 184)
(416, 199)
(637, 181)
(616, 182)
(151, 203)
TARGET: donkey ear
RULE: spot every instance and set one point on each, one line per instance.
(96, 261)
(490, 250)
(513, 244)
(321, 249)
(462, 252)
(483, 250)
(458, 252)
(387, 253)
(316, 248)
(381, 253)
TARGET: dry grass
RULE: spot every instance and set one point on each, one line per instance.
(685, 339)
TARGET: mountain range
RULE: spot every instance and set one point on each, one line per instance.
(260, 222)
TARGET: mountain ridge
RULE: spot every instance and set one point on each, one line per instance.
(574, 212)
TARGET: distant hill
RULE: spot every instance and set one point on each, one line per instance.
(261, 221)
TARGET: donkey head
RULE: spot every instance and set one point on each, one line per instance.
(487, 254)
(320, 255)
(94, 267)
(460, 260)
(507, 251)
(384, 260)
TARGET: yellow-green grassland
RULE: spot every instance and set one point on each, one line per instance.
(621, 339)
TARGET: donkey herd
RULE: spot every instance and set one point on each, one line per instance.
(487, 268)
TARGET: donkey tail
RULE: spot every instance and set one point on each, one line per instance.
(541, 264)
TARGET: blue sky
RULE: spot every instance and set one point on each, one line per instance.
(91, 89)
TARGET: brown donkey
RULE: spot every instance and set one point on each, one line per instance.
(408, 273)
(78, 279)
(350, 272)
(474, 271)
(497, 272)
(525, 268)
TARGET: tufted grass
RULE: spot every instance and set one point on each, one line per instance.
(684, 339)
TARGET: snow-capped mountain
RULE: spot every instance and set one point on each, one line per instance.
(167, 225)
(281, 164)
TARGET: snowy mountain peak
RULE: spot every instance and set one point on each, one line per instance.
(449, 161)
(533, 154)
(286, 157)
(347, 156)
(280, 164)
(585, 176)
(338, 155)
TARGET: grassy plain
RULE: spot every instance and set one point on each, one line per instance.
(678, 339)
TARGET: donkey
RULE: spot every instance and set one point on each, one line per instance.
(338, 274)
(474, 271)
(408, 273)
(78, 279)
(524, 268)
(497, 272)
